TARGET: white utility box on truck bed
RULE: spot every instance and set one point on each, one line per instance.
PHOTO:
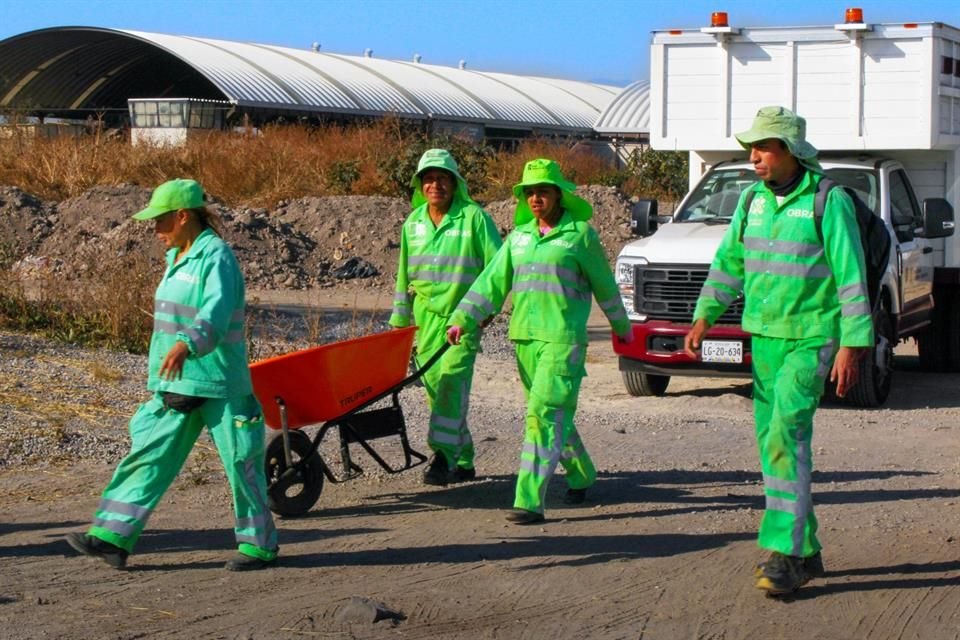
(882, 104)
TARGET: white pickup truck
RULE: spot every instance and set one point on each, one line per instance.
(882, 103)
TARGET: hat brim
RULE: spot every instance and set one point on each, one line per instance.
(577, 207)
(149, 213)
(417, 199)
(798, 148)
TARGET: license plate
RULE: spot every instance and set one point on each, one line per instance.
(721, 351)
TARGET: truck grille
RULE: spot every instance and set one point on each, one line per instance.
(670, 292)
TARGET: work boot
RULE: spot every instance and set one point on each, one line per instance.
(438, 472)
(462, 474)
(813, 566)
(243, 562)
(783, 574)
(522, 516)
(575, 496)
(97, 548)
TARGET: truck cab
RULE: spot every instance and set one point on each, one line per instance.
(660, 276)
(882, 104)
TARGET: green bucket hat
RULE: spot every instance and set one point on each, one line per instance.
(544, 171)
(173, 196)
(437, 159)
(785, 125)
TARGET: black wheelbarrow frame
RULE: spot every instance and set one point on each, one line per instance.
(358, 426)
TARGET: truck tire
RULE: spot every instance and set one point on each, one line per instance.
(644, 384)
(933, 343)
(876, 370)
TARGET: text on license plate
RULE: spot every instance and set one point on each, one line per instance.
(721, 351)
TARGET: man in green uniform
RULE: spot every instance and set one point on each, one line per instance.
(554, 264)
(806, 306)
(445, 244)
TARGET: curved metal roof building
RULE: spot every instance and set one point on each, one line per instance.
(71, 69)
(627, 114)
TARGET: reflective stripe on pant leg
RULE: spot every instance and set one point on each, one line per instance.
(447, 384)
(551, 385)
(236, 426)
(161, 440)
(580, 472)
(789, 524)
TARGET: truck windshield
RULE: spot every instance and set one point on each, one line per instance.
(716, 196)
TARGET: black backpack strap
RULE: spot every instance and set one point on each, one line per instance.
(820, 203)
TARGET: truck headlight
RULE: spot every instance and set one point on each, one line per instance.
(624, 270)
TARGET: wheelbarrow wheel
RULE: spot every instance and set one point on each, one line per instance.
(295, 493)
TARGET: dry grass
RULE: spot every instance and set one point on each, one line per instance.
(283, 162)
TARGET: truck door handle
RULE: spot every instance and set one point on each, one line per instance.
(927, 250)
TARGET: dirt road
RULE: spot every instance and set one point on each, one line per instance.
(663, 548)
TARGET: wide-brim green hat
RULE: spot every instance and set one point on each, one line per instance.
(437, 159)
(173, 196)
(544, 171)
(782, 124)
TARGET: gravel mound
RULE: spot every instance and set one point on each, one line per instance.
(346, 241)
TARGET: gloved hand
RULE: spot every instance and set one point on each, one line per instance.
(626, 339)
(454, 334)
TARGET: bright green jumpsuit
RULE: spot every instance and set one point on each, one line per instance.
(803, 299)
(436, 268)
(200, 301)
(553, 279)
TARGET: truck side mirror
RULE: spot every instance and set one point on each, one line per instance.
(643, 217)
(937, 218)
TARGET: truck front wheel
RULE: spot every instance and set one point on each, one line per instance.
(876, 370)
(645, 384)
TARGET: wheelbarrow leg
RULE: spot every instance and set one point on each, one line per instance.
(285, 432)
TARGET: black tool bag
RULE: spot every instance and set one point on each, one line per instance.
(181, 403)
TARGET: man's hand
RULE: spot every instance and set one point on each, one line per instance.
(626, 338)
(845, 369)
(691, 342)
(454, 334)
(172, 365)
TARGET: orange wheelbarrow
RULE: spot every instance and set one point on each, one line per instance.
(334, 384)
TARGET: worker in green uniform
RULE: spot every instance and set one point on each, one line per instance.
(198, 373)
(554, 264)
(445, 243)
(806, 306)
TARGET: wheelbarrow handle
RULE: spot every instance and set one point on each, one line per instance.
(429, 363)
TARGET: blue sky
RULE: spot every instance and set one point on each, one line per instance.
(598, 41)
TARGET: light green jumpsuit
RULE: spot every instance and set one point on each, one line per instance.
(553, 278)
(803, 298)
(200, 301)
(437, 265)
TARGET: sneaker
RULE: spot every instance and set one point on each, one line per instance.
(783, 574)
(97, 548)
(461, 474)
(522, 516)
(813, 566)
(243, 562)
(575, 496)
(438, 472)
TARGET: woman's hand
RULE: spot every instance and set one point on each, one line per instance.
(454, 334)
(172, 365)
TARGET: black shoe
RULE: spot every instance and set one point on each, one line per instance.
(438, 473)
(522, 516)
(97, 548)
(812, 566)
(243, 562)
(460, 474)
(783, 574)
(575, 496)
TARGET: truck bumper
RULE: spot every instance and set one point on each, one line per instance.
(657, 348)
